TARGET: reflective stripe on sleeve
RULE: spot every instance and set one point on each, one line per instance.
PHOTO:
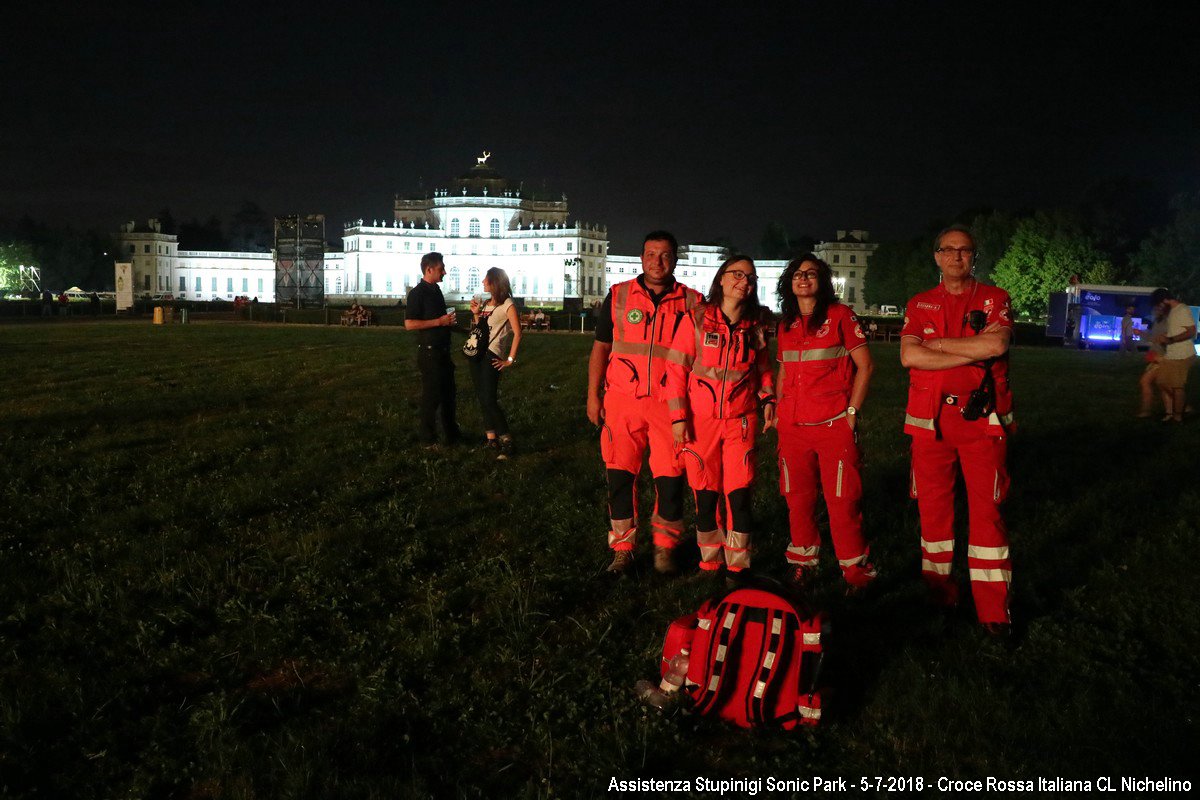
(812, 638)
(945, 546)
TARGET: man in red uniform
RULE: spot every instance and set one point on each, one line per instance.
(633, 340)
(955, 345)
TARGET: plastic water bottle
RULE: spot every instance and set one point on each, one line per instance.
(649, 694)
(676, 673)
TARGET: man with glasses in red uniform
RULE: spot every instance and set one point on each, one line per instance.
(626, 398)
(955, 343)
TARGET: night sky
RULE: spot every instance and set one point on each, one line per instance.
(704, 120)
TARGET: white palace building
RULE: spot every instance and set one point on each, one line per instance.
(479, 223)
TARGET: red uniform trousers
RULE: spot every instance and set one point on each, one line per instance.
(824, 455)
(721, 459)
(631, 424)
(982, 458)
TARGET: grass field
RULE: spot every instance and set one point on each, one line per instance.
(227, 571)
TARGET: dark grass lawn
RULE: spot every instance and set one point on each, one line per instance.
(227, 571)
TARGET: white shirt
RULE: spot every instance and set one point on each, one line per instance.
(1179, 319)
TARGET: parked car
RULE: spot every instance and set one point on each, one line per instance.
(163, 297)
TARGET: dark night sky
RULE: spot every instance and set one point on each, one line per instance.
(710, 122)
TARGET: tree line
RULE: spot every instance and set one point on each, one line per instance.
(1120, 234)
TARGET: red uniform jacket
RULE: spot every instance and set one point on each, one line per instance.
(716, 370)
(818, 373)
(937, 314)
(642, 335)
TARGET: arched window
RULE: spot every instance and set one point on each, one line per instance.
(474, 283)
(473, 227)
(495, 229)
(452, 278)
(454, 227)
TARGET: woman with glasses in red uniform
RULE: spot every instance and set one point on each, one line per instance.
(824, 371)
(718, 375)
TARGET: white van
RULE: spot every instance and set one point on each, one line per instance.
(889, 311)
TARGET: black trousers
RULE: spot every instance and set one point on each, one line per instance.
(437, 392)
(487, 391)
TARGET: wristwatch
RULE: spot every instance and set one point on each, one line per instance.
(852, 411)
(511, 360)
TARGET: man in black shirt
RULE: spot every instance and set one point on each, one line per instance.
(426, 314)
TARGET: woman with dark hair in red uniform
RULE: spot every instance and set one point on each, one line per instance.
(825, 369)
(718, 373)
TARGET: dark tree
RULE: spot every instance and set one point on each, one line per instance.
(252, 229)
(207, 236)
(1170, 256)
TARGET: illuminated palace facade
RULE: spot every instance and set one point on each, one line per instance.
(479, 223)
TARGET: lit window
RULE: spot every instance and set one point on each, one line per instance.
(389, 286)
(198, 289)
(260, 285)
(229, 285)
(454, 227)
(245, 284)
(495, 228)
(214, 285)
(473, 227)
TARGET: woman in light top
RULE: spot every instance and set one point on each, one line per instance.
(499, 354)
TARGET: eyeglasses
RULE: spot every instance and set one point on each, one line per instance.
(739, 275)
(807, 275)
(962, 251)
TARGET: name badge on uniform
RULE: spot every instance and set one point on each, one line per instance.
(712, 339)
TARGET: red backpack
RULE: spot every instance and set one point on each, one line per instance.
(754, 659)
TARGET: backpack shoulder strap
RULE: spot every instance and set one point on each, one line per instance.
(727, 621)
